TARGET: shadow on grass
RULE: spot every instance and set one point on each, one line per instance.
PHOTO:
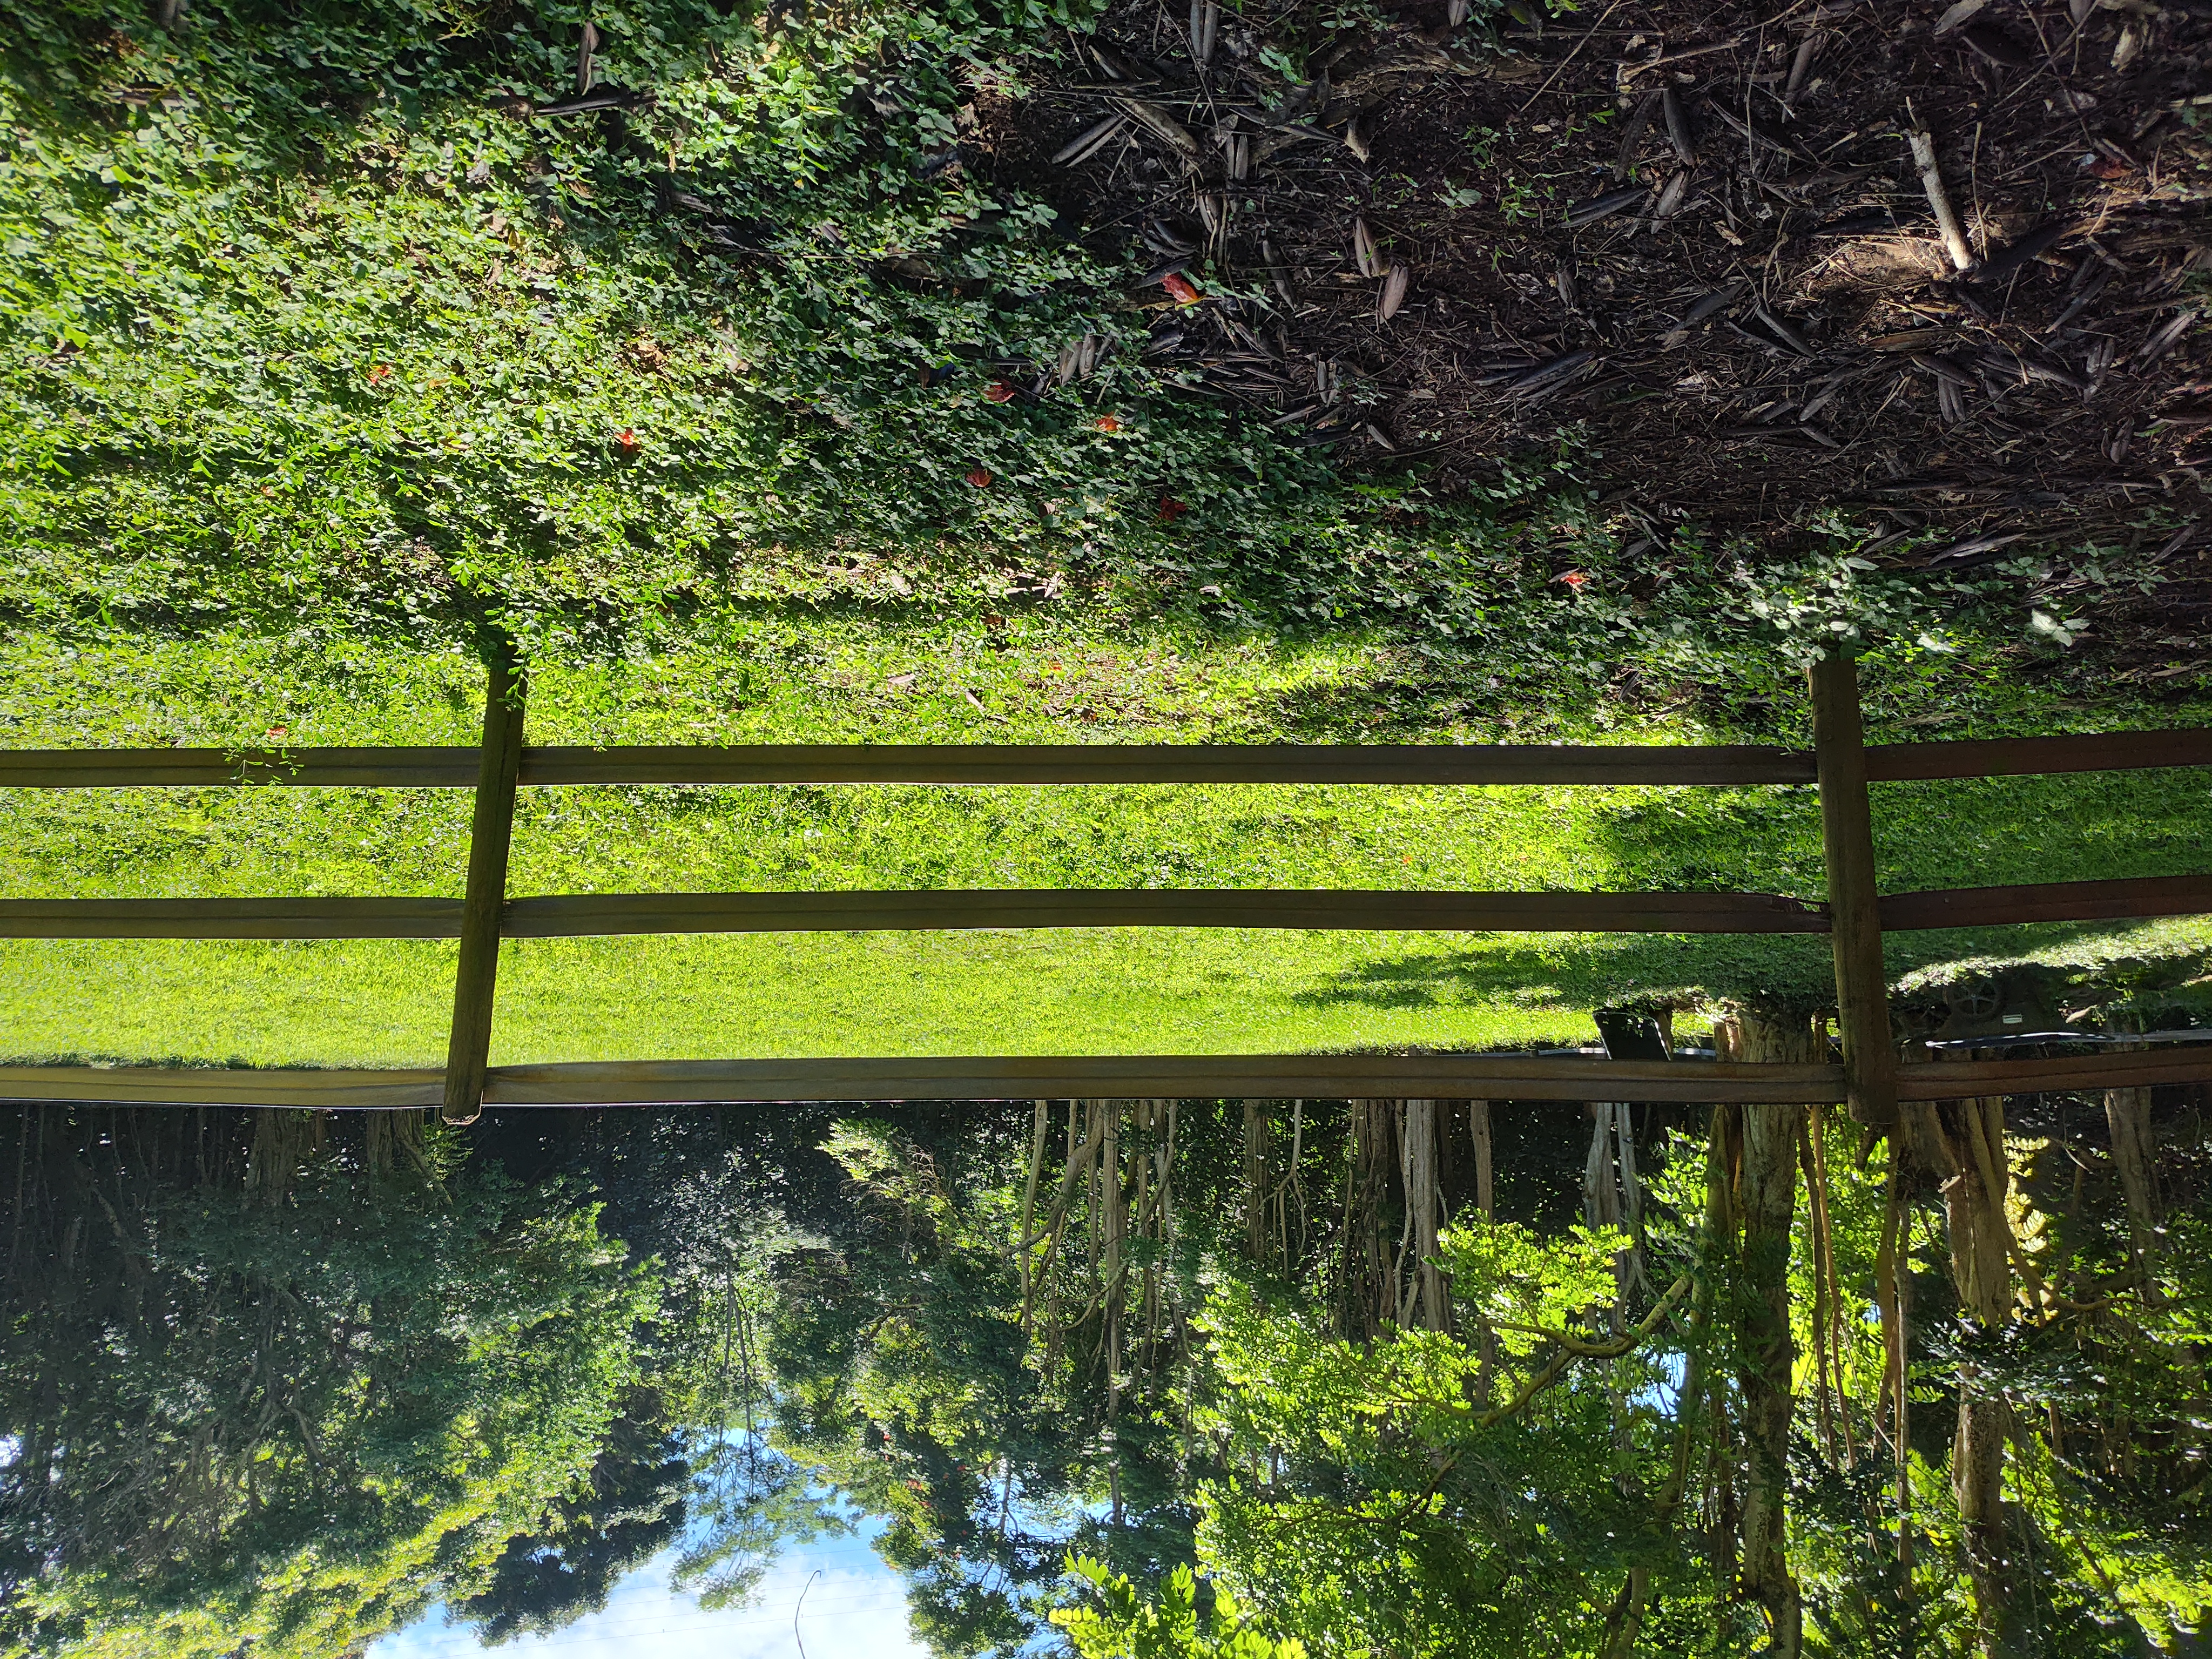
(1590, 971)
(1582, 970)
(1373, 708)
(1963, 832)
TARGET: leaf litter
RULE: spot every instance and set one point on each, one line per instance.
(1672, 235)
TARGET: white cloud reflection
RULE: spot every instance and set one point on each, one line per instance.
(855, 1606)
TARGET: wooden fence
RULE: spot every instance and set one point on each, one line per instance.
(1855, 915)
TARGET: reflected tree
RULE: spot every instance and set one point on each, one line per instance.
(276, 1384)
(1936, 1390)
(1417, 1379)
(631, 1506)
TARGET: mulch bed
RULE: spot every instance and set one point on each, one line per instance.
(1696, 237)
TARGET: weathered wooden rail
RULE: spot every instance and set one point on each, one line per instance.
(572, 916)
(456, 768)
(1325, 1076)
(1840, 765)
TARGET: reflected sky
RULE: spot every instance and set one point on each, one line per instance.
(853, 1604)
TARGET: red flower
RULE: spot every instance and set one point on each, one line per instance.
(1108, 424)
(627, 439)
(978, 476)
(1171, 509)
(1001, 392)
(1184, 294)
(1574, 578)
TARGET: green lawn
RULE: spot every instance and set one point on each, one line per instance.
(1104, 991)
(1058, 991)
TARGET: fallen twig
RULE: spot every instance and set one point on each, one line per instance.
(1631, 69)
(1931, 181)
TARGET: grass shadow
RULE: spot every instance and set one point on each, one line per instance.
(1582, 972)
(1688, 970)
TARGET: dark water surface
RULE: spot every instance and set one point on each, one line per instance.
(866, 1378)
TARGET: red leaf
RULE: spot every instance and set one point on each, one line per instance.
(1001, 392)
(1108, 424)
(1184, 294)
(378, 373)
(1574, 578)
(627, 439)
(1171, 509)
(978, 476)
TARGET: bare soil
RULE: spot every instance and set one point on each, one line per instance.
(1694, 238)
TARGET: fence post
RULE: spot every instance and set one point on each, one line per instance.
(1854, 901)
(469, 1050)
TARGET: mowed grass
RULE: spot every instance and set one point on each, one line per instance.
(1058, 991)
(1061, 991)
(1104, 991)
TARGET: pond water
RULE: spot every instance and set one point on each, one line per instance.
(839, 1596)
(1416, 1377)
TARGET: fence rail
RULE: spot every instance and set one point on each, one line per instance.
(1839, 763)
(569, 915)
(2056, 901)
(1274, 1076)
(542, 767)
(574, 914)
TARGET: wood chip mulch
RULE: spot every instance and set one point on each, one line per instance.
(1702, 239)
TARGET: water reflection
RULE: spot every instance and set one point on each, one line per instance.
(1398, 1377)
(835, 1595)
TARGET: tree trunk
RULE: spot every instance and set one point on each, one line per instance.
(1977, 1483)
(1612, 1193)
(1632, 1191)
(1893, 1299)
(1981, 1269)
(1962, 1142)
(1484, 1186)
(1115, 1294)
(2134, 1155)
(1722, 1257)
(1255, 1184)
(1093, 1192)
(1423, 1204)
(284, 1141)
(1624, 1622)
(1601, 1191)
(1767, 1201)
(1029, 1183)
(391, 1144)
(1974, 1199)
(1163, 1160)
(1485, 1200)
(1368, 1289)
